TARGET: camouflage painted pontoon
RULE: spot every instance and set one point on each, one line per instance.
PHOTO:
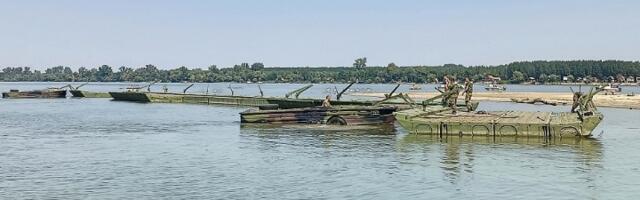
(88, 94)
(438, 120)
(76, 92)
(338, 115)
(290, 100)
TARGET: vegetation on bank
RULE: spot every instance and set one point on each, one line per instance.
(516, 72)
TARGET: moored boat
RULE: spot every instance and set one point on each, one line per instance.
(337, 115)
(495, 87)
(415, 87)
(611, 89)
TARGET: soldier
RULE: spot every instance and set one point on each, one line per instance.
(468, 92)
(165, 89)
(447, 82)
(576, 101)
(445, 98)
(452, 98)
(326, 102)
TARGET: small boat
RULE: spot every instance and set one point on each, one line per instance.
(415, 87)
(46, 93)
(337, 115)
(495, 87)
(611, 89)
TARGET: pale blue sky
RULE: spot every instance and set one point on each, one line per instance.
(313, 32)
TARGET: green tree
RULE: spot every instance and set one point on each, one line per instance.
(360, 63)
(553, 78)
(180, 74)
(104, 73)
(257, 66)
(517, 77)
(126, 74)
(392, 65)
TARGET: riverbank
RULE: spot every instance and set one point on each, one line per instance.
(601, 100)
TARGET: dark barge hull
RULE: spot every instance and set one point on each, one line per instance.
(15, 94)
(338, 115)
(130, 96)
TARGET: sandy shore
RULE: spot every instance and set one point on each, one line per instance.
(615, 101)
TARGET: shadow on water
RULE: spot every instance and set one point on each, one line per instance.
(457, 155)
(321, 136)
(314, 129)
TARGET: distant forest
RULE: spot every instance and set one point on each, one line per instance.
(516, 72)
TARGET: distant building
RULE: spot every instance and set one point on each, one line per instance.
(490, 78)
(531, 80)
(631, 79)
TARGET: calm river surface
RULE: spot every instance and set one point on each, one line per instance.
(101, 149)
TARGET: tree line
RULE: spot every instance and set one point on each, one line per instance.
(516, 72)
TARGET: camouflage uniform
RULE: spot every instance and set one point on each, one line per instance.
(576, 101)
(468, 90)
(452, 98)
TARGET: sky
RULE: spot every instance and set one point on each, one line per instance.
(296, 33)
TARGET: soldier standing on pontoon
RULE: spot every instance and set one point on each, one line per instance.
(452, 97)
(468, 92)
(445, 98)
(165, 89)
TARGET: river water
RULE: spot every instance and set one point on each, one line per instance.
(101, 149)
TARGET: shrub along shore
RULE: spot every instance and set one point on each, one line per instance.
(516, 72)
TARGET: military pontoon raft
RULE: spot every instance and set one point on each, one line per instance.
(76, 92)
(438, 120)
(379, 113)
(336, 115)
(46, 93)
(290, 100)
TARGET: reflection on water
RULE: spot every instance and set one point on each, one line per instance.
(457, 154)
(456, 157)
(320, 136)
